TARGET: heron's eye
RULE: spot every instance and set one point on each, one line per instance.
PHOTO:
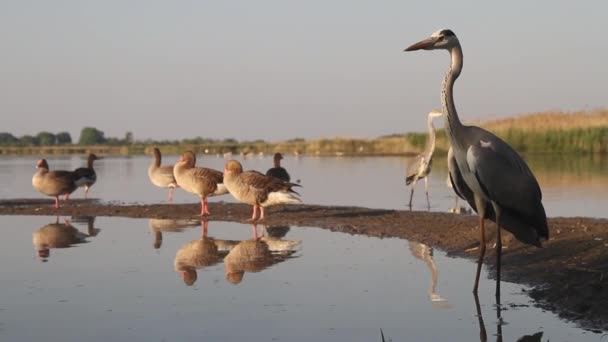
(441, 38)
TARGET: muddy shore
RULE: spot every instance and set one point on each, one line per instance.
(567, 275)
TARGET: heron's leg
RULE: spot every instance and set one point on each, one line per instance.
(412, 192)
(86, 191)
(481, 210)
(261, 213)
(482, 252)
(171, 195)
(56, 202)
(483, 336)
(426, 189)
(498, 250)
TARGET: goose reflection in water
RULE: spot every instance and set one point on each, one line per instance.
(160, 226)
(425, 253)
(56, 235)
(239, 256)
(89, 221)
(483, 336)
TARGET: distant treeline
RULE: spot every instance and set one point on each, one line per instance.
(549, 132)
(88, 136)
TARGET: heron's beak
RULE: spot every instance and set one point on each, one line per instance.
(423, 44)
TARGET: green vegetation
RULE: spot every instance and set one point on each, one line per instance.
(584, 132)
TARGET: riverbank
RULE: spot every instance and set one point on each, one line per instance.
(545, 132)
(567, 275)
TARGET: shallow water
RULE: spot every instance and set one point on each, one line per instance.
(117, 282)
(572, 185)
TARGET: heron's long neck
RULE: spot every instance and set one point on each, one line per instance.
(430, 147)
(453, 125)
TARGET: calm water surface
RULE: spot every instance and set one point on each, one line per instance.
(572, 186)
(115, 280)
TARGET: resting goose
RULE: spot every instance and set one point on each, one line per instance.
(86, 176)
(162, 176)
(257, 189)
(53, 183)
(201, 181)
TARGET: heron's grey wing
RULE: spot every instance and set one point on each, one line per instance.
(458, 184)
(504, 176)
(412, 169)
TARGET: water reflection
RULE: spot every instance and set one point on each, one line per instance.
(90, 223)
(483, 335)
(239, 256)
(425, 253)
(56, 235)
(158, 226)
(277, 231)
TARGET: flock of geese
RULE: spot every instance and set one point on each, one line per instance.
(483, 170)
(251, 187)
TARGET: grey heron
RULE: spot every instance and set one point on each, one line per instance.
(420, 166)
(485, 171)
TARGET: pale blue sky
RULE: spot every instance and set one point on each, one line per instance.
(281, 69)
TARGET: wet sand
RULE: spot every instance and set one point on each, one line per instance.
(567, 275)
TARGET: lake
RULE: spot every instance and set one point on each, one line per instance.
(572, 185)
(115, 279)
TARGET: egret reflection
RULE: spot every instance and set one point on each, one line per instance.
(239, 256)
(56, 235)
(425, 253)
(160, 226)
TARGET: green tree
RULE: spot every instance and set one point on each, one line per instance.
(63, 138)
(28, 140)
(91, 136)
(8, 139)
(129, 138)
(46, 138)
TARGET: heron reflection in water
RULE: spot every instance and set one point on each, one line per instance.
(56, 235)
(160, 226)
(483, 335)
(425, 253)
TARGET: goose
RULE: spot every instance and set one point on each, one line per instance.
(53, 183)
(278, 171)
(162, 176)
(86, 176)
(257, 189)
(201, 181)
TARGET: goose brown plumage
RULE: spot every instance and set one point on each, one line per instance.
(53, 183)
(201, 181)
(257, 189)
(86, 176)
(162, 175)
